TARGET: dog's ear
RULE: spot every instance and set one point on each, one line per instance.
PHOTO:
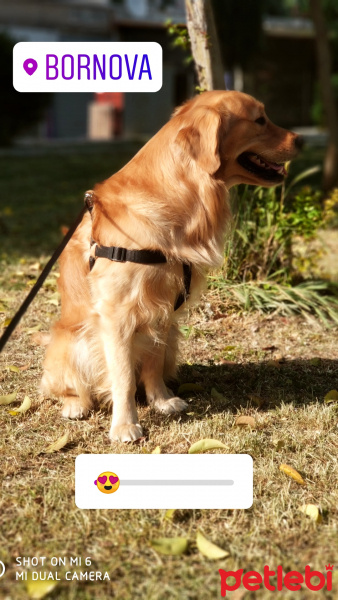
(200, 139)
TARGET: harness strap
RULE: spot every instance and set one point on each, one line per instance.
(183, 296)
(143, 257)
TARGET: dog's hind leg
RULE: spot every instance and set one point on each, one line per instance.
(159, 362)
(60, 377)
(171, 352)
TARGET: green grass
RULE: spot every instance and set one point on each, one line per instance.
(40, 194)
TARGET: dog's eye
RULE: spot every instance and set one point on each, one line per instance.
(260, 121)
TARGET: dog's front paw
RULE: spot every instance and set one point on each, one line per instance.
(170, 406)
(126, 433)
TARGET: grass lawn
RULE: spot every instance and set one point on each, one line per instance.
(273, 368)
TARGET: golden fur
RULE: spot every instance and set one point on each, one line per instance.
(118, 326)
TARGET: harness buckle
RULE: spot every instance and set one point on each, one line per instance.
(89, 199)
(117, 254)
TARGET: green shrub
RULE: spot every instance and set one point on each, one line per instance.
(331, 208)
(266, 223)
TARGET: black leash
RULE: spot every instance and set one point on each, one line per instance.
(19, 314)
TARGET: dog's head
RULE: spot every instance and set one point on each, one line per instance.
(229, 135)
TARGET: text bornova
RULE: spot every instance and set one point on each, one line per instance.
(95, 67)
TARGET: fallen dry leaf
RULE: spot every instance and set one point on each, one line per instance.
(205, 445)
(8, 399)
(58, 444)
(246, 420)
(209, 549)
(312, 511)
(331, 396)
(274, 363)
(37, 589)
(169, 514)
(13, 369)
(22, 408)
(291, 472)
(171, 546)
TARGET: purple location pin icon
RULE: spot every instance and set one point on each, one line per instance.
(30, 65)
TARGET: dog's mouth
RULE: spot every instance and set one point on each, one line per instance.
(261, 167)
(107, 487)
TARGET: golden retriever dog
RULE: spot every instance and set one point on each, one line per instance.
(118, 325)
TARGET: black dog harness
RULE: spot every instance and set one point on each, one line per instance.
(143, 257)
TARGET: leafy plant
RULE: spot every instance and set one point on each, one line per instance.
(331, 209)
(266, 223)
(180, 39)
(318, 298)
(264, 268)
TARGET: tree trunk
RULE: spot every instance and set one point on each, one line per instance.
(330, 169)
(204, 44)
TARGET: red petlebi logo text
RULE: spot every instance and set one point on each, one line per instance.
(253, 581)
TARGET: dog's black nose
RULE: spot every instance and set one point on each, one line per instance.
(299, 142)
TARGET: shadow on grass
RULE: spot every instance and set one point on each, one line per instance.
(298, 381)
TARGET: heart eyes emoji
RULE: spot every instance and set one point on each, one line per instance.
(107, 482)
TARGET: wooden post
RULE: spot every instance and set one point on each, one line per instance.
(324, 73)
(204, 44)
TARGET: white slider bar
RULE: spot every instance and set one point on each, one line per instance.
(164, 481)
(176, 482)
